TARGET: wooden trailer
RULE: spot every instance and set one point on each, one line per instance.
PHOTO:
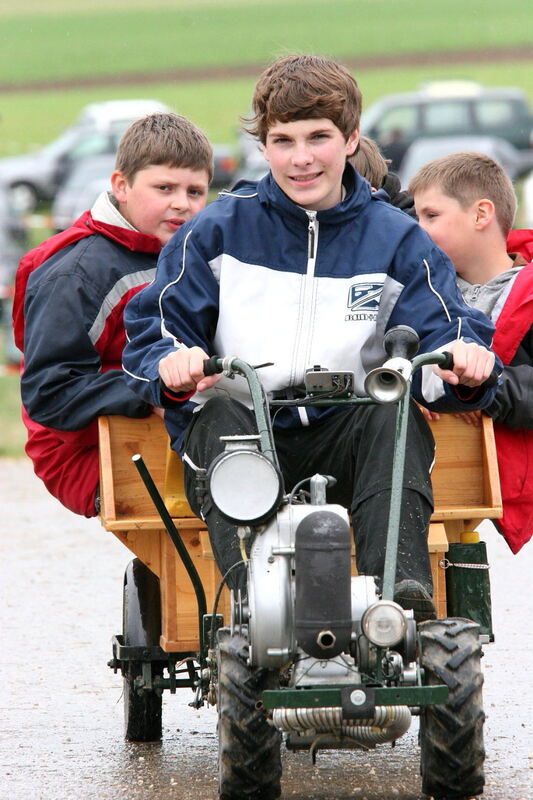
(465, 483)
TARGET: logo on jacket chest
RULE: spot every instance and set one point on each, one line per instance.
(363, 302)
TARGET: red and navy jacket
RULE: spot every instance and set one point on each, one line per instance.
(512, 410)
(70, 295)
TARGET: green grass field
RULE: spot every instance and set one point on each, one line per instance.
(67, 39)
(30, 120)
(62, 39)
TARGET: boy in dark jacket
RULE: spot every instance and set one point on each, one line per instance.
(71, 292)
(307, 267)
(467, 204)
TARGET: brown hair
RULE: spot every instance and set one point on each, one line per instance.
(369, 163)
(467, 177)
(163, 139)
(305, 87)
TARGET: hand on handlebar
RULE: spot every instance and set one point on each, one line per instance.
(472, 364)
(183, 370)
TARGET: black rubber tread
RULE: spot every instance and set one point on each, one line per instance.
(249, 759)
(451, 735)
(141, 626)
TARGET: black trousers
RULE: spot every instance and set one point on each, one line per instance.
(355, 446)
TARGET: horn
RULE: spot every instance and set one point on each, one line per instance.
(388, 384)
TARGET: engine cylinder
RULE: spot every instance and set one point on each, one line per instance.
(322, 606)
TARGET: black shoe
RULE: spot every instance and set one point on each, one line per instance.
(411, 594)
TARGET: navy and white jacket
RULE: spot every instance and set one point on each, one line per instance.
(255, 276)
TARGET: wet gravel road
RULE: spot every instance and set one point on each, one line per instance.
(61, 706)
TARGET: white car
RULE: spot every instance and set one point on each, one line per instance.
(36, 177)
(87, 180)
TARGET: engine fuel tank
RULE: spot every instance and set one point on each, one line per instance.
(323, 620)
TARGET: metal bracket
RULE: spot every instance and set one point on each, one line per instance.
(358, 702)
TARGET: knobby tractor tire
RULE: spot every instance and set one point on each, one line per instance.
(141, 623)
(451, 735)
(249, 760)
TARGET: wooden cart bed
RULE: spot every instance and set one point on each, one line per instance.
(465, 484)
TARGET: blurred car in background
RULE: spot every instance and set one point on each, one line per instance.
(527, 201)
(253, 165)
(516, 163)
(87, 179)
(14, 242)
(225, 164)
(448, 108)
(35, 177)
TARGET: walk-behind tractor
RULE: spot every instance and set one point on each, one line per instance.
(310, 654)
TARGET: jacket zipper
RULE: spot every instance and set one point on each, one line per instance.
(302, 334)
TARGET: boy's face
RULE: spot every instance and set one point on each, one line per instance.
(307, 158)
(451, 226)
(161, 198)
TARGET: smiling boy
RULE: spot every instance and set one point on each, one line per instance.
(71, 292)
(307, 267)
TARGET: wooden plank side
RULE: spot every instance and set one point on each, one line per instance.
(107, 486)
(145, 436)
(180, 609)
(491, 476)
(457, 477)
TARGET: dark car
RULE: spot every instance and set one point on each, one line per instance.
(448, 108)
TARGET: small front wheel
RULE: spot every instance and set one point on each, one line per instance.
(451, 735)
(249, 760)
(141, 628)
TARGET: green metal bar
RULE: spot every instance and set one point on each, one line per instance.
(331, 697)
(314, 401)
(257, 393)
(393, 531)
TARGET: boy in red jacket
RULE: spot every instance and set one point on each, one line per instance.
(467, 204)
(70, 295)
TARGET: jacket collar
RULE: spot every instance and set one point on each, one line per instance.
(357, 196)
(105, 218)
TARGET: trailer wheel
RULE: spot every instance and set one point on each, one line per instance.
(141, 623)
(451, 735)
(249, 761)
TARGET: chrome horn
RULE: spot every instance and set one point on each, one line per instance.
(388, 384)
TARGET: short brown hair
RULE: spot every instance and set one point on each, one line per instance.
(163, 139)
(467, 177)
(369, 163)
(305, 87)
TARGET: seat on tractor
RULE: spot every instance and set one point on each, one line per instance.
(465, 484)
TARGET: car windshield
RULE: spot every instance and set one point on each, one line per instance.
(89, 170)
(62, 144)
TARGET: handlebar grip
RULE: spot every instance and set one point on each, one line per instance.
(491, 381)
(213, 366)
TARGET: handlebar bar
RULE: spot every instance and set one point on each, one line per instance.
(447, 363)
(213, 366)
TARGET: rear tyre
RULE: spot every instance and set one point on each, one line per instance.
(451, 735)
(141, 628)
(249, 759)
(23, 197)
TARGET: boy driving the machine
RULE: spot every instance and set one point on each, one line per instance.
(308, 267)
